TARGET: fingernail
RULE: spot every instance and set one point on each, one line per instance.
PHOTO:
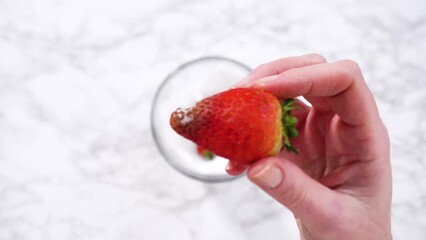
(269, 177)
(265, 80)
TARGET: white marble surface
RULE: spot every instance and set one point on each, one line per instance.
(77, 78)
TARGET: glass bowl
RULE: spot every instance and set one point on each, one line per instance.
(188, 84)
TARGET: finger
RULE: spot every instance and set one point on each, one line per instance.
(300, 112)
(281, 65)
(340, 175)
(321, 104)
(341, 82)
(306, 198)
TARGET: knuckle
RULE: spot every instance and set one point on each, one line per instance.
(317, 58)
(297, 198)
(350, 69)
(351, 66)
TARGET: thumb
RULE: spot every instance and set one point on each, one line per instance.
(288, 184)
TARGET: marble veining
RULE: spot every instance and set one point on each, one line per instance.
(77, 79)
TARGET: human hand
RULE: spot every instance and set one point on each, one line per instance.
(339, 186)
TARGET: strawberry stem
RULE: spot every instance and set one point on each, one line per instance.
(289, 124)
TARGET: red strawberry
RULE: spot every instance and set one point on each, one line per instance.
(242, 124)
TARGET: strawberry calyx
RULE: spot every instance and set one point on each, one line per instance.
(289, 124)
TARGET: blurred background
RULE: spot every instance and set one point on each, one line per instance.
(77, 80)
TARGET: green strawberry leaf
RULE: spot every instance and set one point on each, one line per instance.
(289, 124)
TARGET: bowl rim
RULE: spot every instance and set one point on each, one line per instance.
(159, 145)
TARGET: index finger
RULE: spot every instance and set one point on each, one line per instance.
(281, 65)
(341, 82)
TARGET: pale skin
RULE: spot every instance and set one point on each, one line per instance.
(339, 186)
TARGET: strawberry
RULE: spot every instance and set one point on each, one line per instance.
(241, 124)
